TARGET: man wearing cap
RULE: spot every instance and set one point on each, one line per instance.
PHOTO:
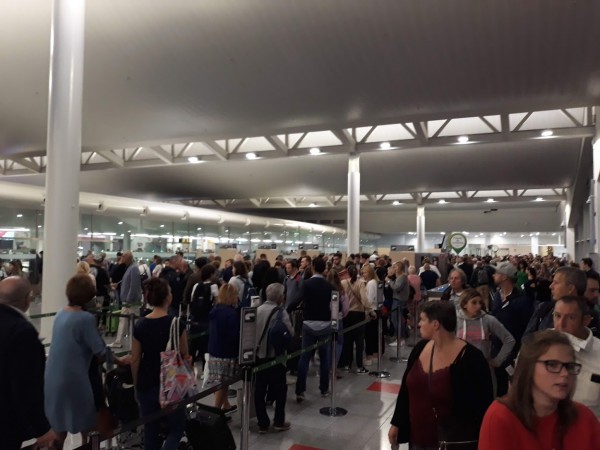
(513, 309)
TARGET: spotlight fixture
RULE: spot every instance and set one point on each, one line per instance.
(251, 155)
(19, 215)
(396, 203)
(315, 151)
(539, 199)
(442, 201)
(463, 139)
(547, 133)
(385, 146)
(490, 200)
(194, 159)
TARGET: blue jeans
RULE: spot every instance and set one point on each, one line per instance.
(309, 337)
(148, 403)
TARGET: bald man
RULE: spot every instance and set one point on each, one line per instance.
(22, 364)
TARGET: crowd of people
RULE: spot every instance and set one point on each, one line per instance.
(512, 344)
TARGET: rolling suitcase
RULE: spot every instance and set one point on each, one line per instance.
(207, 429)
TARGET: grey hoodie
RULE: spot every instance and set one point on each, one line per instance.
(477, 331)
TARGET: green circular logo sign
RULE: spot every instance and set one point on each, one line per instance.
(458, 242)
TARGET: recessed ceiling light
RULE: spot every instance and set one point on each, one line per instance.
(553, 234)
(396, 203)
(522, 235)
(442, 233)
(315, 151)
(385, 146)
(490, 200)
(463, 139)
(85, 229)
(466, 233)
(199, 228)
(120, 223)
(313, 205)
(194, 159)
(537, 234)
(530, 234)
(251, 155)
(547, 133)
(442, 201)
(162, 226)
(19, 215)
(39, 226)
(504, 233)
(539, 199)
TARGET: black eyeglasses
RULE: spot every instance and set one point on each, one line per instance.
(554, 366)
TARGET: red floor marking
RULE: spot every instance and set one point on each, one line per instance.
(389, 388)
(303, 447)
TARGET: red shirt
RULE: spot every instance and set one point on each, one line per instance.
(502, 430)
(423, 425)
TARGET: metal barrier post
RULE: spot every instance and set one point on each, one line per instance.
(399, 358)
(131, 325)
(246, 408)
(332, 410)
(95, 440)
(379, 373)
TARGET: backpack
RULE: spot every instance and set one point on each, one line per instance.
(144, 275)
(277, 333)
(482, 277)
(201, 301)
(249, 292)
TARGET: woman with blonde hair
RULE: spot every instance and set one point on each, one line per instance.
(538, 412)
(371, 329)
(84, 268)
(223, 342)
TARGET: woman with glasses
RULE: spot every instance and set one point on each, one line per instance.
(538, 412)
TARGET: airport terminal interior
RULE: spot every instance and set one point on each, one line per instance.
(219, 127)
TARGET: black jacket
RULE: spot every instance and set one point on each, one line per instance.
(472, 391)
(22, 364)
(316, 293)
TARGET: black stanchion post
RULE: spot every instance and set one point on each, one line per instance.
(131, 326)
(95, 440)
(399, 358)
(332, 410)
(379, 373)
(246, 358)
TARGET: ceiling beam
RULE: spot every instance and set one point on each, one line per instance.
(256, 202)
(345, 137)
(278, 145)
(162, 154)
(422, 133)
(290, 202)
(110, 156)
(218, 150)
(29, 163)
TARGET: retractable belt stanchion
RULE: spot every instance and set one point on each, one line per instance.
(131, 325)
(95, 440)
(246, 358)
(399, 358)
(379, 373)
(332, 410)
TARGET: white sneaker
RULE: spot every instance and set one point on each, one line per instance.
(115, 345)
(393, 344)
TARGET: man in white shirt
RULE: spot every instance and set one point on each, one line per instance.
(570, 318)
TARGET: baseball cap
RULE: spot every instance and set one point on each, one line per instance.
(508, 269)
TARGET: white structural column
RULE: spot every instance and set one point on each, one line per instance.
(570, 242)
(420, 247)
(354, 203)
(535, 245)
(595, 191)
(61, 218)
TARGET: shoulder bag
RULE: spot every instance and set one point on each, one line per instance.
(177, 377)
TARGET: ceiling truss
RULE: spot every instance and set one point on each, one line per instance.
(565, 124)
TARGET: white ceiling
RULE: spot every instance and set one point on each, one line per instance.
(165, 74)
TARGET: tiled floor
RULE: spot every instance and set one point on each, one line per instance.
(369, 401)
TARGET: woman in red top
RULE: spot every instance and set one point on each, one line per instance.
(538, 413)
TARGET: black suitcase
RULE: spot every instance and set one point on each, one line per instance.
(118, 386)
(207, 429)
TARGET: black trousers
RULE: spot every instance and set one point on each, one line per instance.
(353, 340)
(272, 379)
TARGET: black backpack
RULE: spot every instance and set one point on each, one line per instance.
(249, 292)
(277, 333)
(482, 277)
(201, 301)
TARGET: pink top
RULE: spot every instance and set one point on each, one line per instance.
(415, 282)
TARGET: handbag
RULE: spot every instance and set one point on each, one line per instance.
(453, 432)
(177, 377)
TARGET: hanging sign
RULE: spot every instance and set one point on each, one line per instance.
(458, 242)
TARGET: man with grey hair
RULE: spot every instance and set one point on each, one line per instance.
(567, 282)
(272, 379)
(131, 294)
(22, 365)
